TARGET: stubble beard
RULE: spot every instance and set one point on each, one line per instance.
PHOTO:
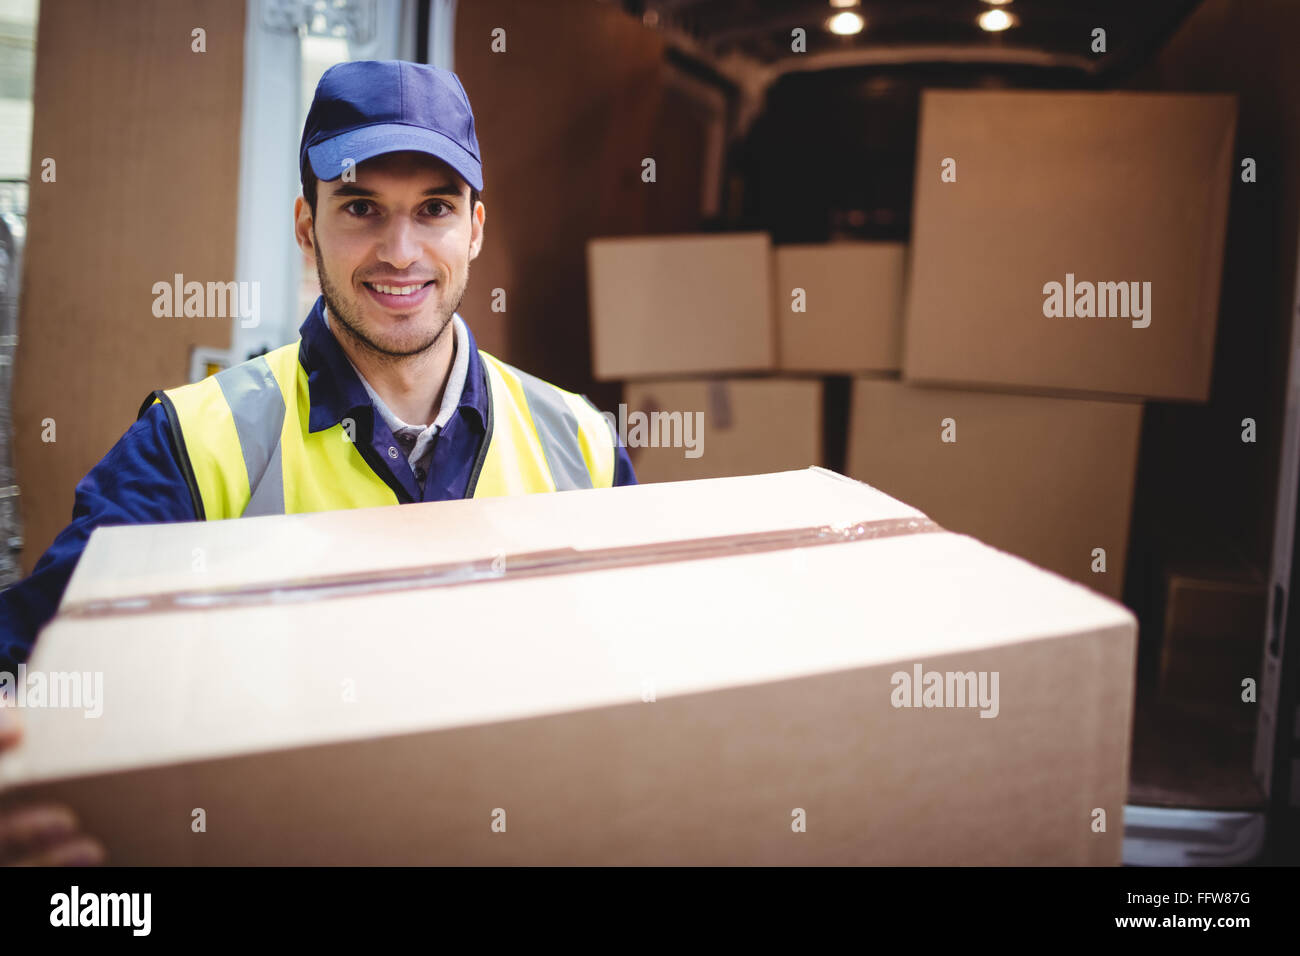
(351, 326)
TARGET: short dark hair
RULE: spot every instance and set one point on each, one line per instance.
(309, 193)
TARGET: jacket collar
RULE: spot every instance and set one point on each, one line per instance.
(337, 393)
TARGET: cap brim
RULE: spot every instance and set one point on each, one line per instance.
(330, 158)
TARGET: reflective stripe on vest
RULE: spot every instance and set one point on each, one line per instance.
(550, 437)
(257, 406)
(245, 434)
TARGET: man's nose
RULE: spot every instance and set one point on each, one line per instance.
(399, 247)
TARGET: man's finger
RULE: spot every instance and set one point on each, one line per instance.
(25, 828)
(11, 730)
(82, 851)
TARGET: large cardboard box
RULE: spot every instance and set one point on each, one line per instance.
(681, 305)
(839, 306)
(732, 671)
(1093, 192)
(681, 429)
(1049, 479)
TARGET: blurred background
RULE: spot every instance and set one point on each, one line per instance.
(747, 208)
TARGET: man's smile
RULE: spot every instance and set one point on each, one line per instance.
(403, 296)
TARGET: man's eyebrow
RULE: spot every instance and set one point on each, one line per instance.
(353, 189)
(446, 189)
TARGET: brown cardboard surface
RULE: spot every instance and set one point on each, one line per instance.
(683, 712)
(854, 306)
(1105, 187)
(1046, 478)
(744, 426)
(681, 305)
(145, 137)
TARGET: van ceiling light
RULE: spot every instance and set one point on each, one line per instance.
(846, 24)
(995, 20)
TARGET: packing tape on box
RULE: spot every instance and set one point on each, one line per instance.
(496, 568)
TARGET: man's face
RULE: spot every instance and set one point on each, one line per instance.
(393, 250)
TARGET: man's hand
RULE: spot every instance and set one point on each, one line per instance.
(40, 835)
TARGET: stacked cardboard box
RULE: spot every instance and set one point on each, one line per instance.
(840, 307)
(730, 336)
(729, 426)
(1062, 269)
(1049, 479)
(1057, 245)
(782, 669)
(687, 323)
(680, 305)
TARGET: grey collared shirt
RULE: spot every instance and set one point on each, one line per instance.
(417, 440)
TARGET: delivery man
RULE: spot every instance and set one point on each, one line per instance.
(385, 398)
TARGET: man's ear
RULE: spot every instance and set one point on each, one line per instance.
(476, 217)
(302, 227)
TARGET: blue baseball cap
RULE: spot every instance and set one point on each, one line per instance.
(366, 108)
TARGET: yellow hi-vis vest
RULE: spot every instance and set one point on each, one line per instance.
(246, 450)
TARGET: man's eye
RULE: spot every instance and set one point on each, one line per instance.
(435, 208)
(351, 207)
